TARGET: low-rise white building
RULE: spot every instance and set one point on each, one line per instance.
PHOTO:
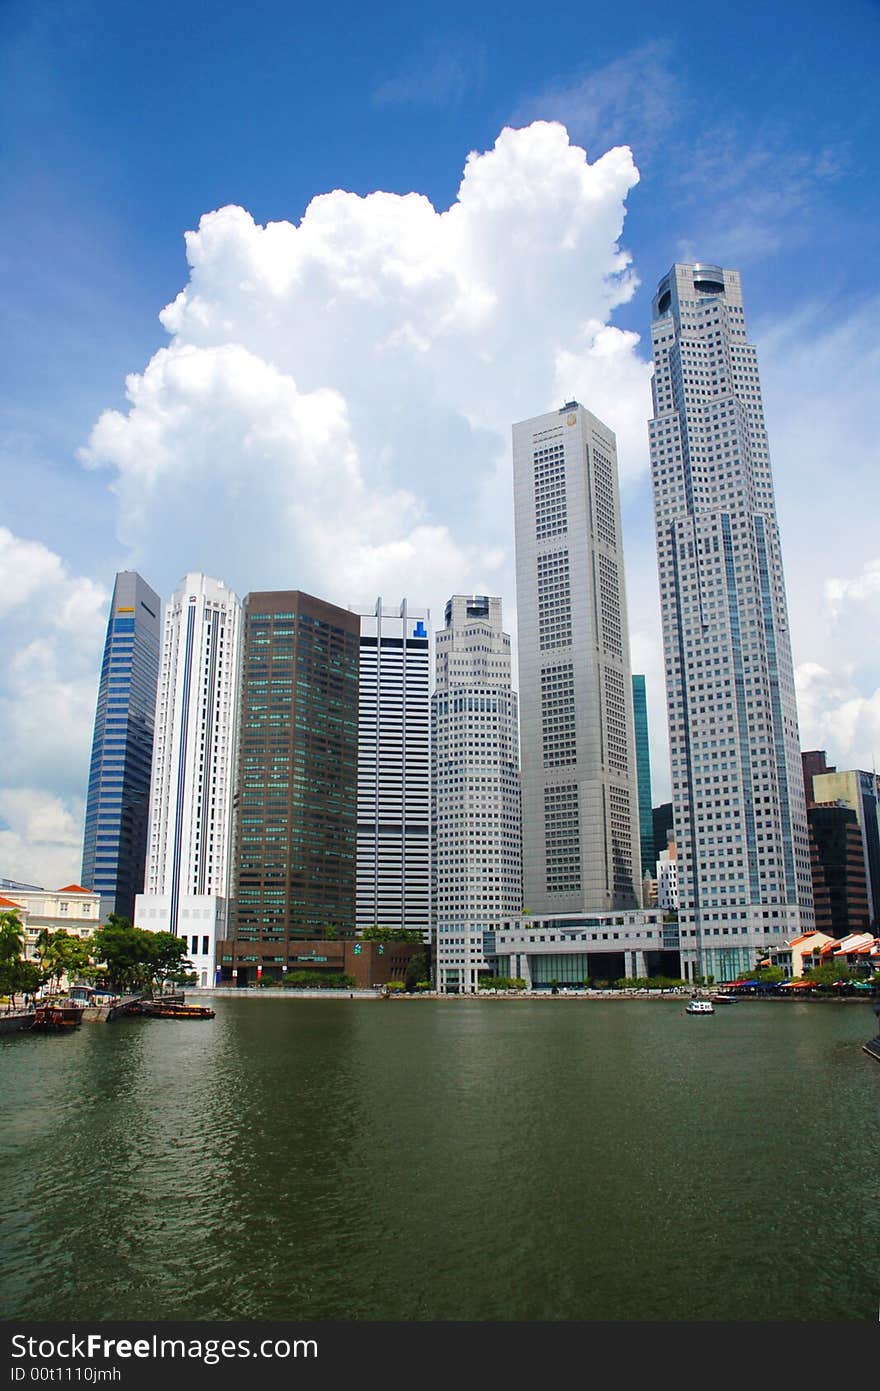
(570, 948)
(202, 922)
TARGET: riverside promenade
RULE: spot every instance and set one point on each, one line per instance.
(672, 996)
(315, 993)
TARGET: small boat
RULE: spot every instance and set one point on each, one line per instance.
(57, 1015)
(723, 999)
(162, 1009)
(16, 1021)
(700, 1007)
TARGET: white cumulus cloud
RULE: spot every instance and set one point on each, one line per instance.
(40, 838)
(842, 592)
(836, 716)
(53, 623)
(334, 409)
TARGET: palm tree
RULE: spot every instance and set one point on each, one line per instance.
(11, 937)
(44, 946)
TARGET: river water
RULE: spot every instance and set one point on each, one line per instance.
(513, 1160)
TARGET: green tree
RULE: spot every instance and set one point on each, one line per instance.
(416, 970)
(127, 953)
(764, 972)
(20, 977)
(830, 973)
(117, 920)
(136, 959)
(319, 980)
(28, 977)
(44, 947)
(167, 959)
(11, 937)
(65, 955)
(391, 934)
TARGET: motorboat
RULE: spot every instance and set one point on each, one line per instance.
(700, 1007)
(52, 1016)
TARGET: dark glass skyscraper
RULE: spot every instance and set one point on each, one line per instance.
(296, 806)
(840, 889)
(643, 771)
(117, 810)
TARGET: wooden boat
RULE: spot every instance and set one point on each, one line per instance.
(171, 1009)
(16, 1021)
(57, 1015)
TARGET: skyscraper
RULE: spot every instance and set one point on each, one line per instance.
(297, 775)
(579, 788)
(643, 767)
(737, 788)
(188, 861)
(117, 808)
(860, 791)
(476, 806)
(394, 769)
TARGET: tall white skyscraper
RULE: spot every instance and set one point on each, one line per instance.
(580, 802)
(476, 808)
(394, 770)
(737, 787)
(189, 843)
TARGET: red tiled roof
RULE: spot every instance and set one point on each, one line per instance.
(73, 889)
(6, 903)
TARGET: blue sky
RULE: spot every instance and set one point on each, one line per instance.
(753, 131)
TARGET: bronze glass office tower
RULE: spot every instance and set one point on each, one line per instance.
(296, 808)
